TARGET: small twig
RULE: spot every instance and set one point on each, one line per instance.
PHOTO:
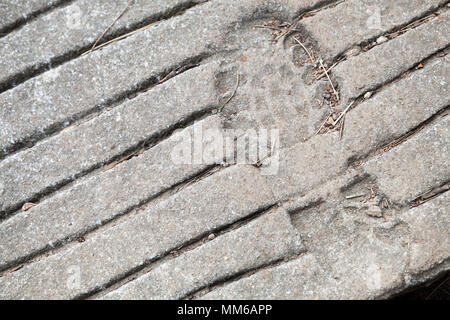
(291, 28)
(110, 26)
(269, 27)
(355, 196)
(341, 129)
(343, 113)
(232, 95)
(307, 51)
(325, 7)
(121, 37)
(326, 120)
(329, 79)
(329, 69)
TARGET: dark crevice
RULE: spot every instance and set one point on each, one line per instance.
(187, 246)
(316, 8)
(431, 194)
(435, 289)
(74, 53)
(14, 26)
(386, 146)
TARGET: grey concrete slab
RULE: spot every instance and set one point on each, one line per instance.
(266, 239)
(383, 63)
(397, 109)
(14, 12)
(340, 203)
(355, 21)
(216, 201)
(72, 29)
(79, 148)
(57, 97)
(98, 199)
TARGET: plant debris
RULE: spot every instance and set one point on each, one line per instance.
(27, 206)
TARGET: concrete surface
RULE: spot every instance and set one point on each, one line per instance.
(130, 172)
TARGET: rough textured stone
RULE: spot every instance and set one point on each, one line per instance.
(274, 93)
(361, 270)
(77, 87)
(383, 63)
(264, 240)
(430, 242)
(397, 109)
(209, 204)
(15, 11)
(350, 256)
(415, 166)
(80, 148)
(100, 198)
(71, 28)
(357, 20)
(151, 227)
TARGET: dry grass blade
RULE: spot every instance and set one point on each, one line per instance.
(110, 26)
(121, 37)
(329, 69)
(307, 51)
(323, 124)
(329, 79)
(343, 113)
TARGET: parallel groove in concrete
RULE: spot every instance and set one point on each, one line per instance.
(55, 246)
(373, 166)
(26, 15)
(144, 213)
(116, 32)
(246, 248)
(433, 137)
(393, 58)
(300, 170)
(51, 126)
(147, 177)
(402, 138)
(370, 44)
(186, 247)
(352, 12)
(229, 204)
(25, 65)
(425, 68)
(405, 161)
(379, 84)
(56, 127)
(127, 132)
